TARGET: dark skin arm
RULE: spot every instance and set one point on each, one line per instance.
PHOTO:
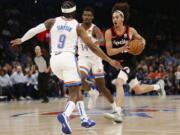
(49, 23)
(98, 35)
(82, 33)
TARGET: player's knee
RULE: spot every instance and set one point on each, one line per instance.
(74, 91)
(101, 86)
(119, 82)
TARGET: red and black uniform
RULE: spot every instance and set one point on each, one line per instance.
(126, 59)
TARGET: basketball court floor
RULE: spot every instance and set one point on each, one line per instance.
(144, 115)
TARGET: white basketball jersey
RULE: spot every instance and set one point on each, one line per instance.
(64, 35)
(83, 49)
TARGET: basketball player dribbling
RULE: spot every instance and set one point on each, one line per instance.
(64, 32)
(88, 61)
(117, 39)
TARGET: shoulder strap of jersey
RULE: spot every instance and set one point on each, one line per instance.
(112, 31)
(92, 27)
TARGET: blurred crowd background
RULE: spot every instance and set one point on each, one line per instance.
(158, 21)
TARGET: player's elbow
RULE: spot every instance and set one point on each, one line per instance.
(109, 52)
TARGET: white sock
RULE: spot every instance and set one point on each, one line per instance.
(70, 106)
(119, 110)
(113, 105)
(91, 92)
(156, 87)
(81, 109)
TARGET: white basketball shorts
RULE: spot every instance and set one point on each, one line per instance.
(90, 63)
(64, 66)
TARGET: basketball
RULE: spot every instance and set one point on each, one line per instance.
(135, 47)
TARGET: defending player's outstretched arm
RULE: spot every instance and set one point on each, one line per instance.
(33, 31)
(83, 35)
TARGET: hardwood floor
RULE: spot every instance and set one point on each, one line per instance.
(144, 115)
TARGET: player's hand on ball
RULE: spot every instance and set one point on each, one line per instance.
(16, 42)
(125, 48)
(136, 47)
(143, 43)
(115, 64)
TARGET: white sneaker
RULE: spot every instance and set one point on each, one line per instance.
(28, 98)
(114, 116)
(161, 91)
(92, 99)
(96, 94)
(109, 116)
(21, 98)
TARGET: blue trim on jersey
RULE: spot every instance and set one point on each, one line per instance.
(73, 84)
(98, 76)
(77, 66)
(77, 83)
(84, 69)
(79, 74)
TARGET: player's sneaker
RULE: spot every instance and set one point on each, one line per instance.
(114, 116)
(161, 91)
(109, 116)
(28, 98)
(92, 99)
(64, 120)
(87, 123)
(21, 98)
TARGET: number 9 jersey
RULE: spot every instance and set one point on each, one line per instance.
(63, 35)
(63, 47)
